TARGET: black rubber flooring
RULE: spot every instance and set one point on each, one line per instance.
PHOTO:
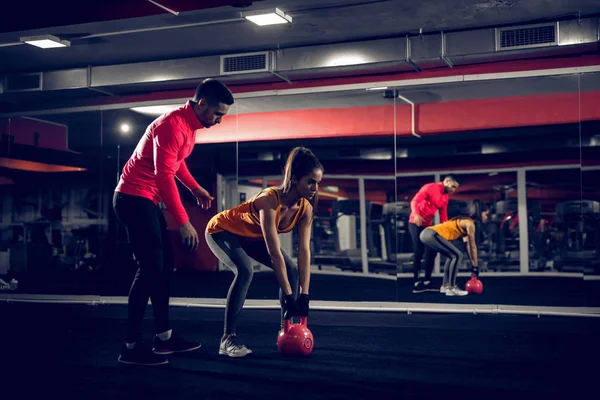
(70, 351)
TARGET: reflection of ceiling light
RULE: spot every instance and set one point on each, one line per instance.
(378, 88)
(265, 156)
(493, 148)
(493, 173)
(268, 17)
(45, 41)
(347, 59)
(154, 111)
(375, 154)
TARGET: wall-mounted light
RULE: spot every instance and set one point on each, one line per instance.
(45, 41)
(125, 128)
(268, 17)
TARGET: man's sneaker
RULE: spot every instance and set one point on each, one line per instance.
(174, 345)
(423, 286)
(233, 348)
(141, 355)
(443, 289)
(455, 291)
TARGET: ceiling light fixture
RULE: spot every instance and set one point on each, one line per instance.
(268, 17)
(45, 41)
(378, 88)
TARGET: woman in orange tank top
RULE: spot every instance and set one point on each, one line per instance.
(250, 231)
(438, 237)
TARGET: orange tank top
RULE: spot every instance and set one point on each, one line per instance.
(450, 230)
(244, 220)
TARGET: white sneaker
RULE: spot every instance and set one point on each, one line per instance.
(233, 348)
(443, 289)
(455, 291)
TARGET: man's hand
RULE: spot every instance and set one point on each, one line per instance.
(418, 220)
(189, 236)
(203, 198)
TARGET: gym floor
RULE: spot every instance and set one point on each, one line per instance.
(70, 351)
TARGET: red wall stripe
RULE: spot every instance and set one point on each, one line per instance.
(502, 112)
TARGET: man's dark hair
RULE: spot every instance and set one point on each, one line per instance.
(214, 92)
(452, 178)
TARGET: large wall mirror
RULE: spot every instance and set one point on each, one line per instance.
(523, 146)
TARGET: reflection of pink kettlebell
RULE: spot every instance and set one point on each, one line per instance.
(295, 339)
(474, 286)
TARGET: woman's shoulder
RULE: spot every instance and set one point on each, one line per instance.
(466, 221)
(307, 207)
(267, 198)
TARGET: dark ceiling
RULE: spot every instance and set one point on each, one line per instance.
(73, 12)
(101, 34)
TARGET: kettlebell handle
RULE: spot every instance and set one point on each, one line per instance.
(287, 323)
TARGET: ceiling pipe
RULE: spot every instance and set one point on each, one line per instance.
(412, 111)
(176, 13)
(141, 30)
(161, 28)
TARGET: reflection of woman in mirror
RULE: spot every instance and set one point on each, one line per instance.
(438, 237)
(250, 231)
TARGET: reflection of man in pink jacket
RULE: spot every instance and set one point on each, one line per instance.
(428, 200)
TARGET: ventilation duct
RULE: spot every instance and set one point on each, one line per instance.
(23, 82)
(408, 53)
(245, 63)
(526, 37)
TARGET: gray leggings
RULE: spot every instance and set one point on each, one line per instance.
(235, 252)
(453, 255)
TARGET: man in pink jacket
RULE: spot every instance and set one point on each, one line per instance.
(428, 200)
(147, 179)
